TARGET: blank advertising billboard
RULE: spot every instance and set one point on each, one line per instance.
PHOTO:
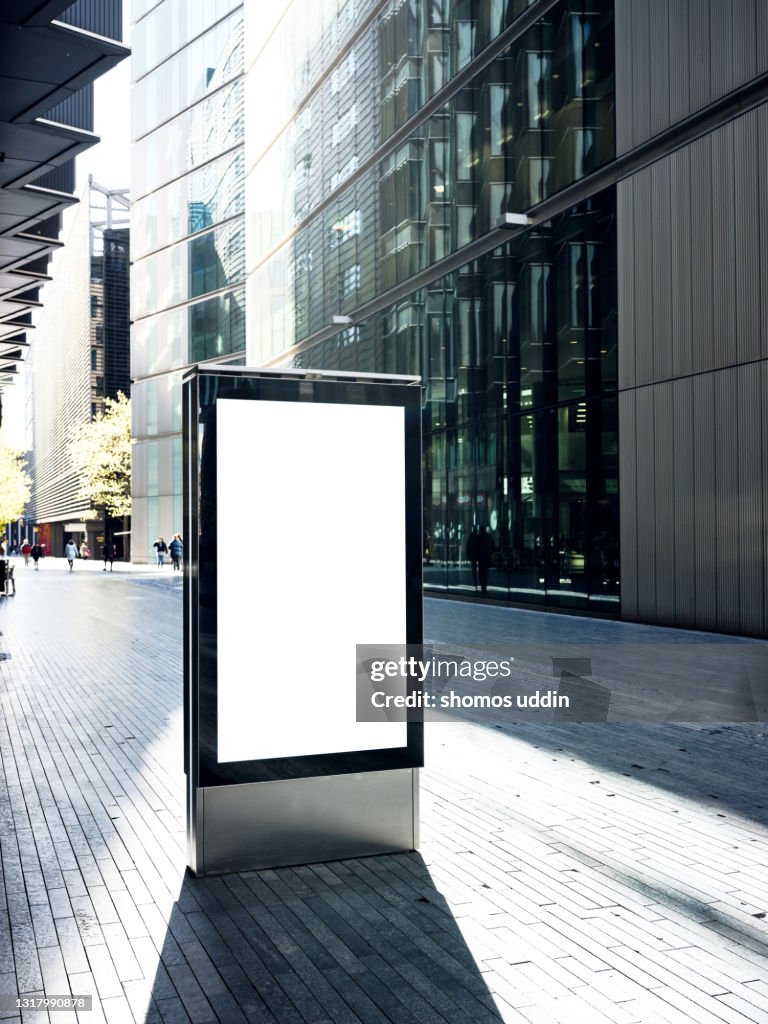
(310, 562)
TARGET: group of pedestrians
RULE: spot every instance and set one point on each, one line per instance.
(71, 552)
(34, 551)
(175, 549)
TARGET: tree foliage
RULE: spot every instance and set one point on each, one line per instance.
(15, 484)
(100, 451)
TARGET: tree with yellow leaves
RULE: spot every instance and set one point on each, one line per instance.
(15, 484)
(101, 453)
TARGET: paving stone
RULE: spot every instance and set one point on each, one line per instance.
(103, 971)
(43, 925)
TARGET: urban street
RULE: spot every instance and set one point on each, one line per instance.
(567, 871)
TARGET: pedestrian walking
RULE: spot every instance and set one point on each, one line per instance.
(162, 550)
(176, 549)
(26, 551)
(37, 554)
(70, 552)
(85, 551)
(108, 554)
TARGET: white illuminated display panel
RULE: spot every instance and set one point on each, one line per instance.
(310, 562)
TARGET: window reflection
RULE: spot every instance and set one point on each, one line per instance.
(211, 194)
(217, 326)
(172, 27)
(201, 67)
(212, 127)
(520, 131)
(518, 356)
(202, 264)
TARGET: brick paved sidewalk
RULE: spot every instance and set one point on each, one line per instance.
(567, 873)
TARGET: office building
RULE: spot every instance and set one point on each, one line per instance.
(71, 371)
(188, 248)
(550, 211)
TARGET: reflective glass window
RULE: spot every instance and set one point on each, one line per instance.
(517, 352)
(172, 25)
(203, 198)
(211, 127)
(198, 70)
(188, 269)
(511, 138)
(216, 326)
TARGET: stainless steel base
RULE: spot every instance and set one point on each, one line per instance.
(301, 821)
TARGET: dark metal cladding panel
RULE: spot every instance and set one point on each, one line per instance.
(761, 211)
(48, 228)
(723, 264)
(679, 60)
(747, 231)
(705, 501)
(745, 39)
(761, 371)
(761, 35)
(102, 17)
(622, 17)
(675, 57)
(625, 252)
(644, 297)
(659, 85)
(646, 498)
(680, 258)
(628, 504)
(662, 269)
(76, 110)
(701, 252)
(698, 53)
(722, 75)
(38, 266)
(116, 264)
(61, 178)
(640, 59)
(664, 505)
(727, 496)
(685, 538)
(752, 481)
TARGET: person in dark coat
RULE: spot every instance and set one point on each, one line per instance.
(485, 550)
(162, 550)
(37, 553)
(108, 554)
(176, 549)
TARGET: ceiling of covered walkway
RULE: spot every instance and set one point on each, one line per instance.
(50, 55)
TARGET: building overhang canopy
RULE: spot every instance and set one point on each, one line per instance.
(46, 68)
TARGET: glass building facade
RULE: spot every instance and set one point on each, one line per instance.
(545, 209)
(188, 237)
(399, 135)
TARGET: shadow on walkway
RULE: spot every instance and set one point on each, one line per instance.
(722, 766)
(367, 940)
(688, 714)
